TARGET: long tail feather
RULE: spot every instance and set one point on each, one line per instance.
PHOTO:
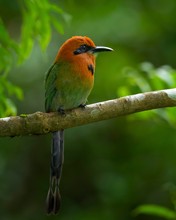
(53, 201)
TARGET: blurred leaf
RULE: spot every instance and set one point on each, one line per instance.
(155, 210)
(147, 78)
(7, 106)
(37, 20)
(38, 16)
(4, 36)
(57, 25)
(7, 45)
(17, 91)
(55, 8)
(10, 108)
(122, 91)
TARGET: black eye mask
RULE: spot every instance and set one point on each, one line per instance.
(82, 49)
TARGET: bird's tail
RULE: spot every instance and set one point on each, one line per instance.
(53, 200)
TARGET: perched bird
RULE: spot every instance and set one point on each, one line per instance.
(68, 83)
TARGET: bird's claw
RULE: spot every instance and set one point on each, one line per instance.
(82, 105)
(61, 111)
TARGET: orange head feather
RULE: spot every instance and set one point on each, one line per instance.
(66, 52)
(76, 51)
(79, 52)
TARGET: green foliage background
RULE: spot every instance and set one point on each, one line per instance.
(111, 167)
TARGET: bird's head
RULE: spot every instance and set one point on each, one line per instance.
(79, 47)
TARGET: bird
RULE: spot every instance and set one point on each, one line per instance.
(68, 84)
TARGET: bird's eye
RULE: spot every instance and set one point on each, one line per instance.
(82, 49)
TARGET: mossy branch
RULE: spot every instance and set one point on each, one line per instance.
(42, 123)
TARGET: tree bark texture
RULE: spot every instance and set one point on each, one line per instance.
(41, 123)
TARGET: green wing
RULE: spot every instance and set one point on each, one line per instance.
(50, 86)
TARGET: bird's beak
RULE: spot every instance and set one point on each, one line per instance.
(98, 49)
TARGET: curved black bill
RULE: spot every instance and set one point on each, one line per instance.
(98, 49)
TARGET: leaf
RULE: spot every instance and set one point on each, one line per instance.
(7, 107)
(36, 26)
(4, 36)
(7, 89)
(122, 91)
(156, 210)
(55, 8)
(10, 107)
(18, 92)
(58, 26)
(146, 78)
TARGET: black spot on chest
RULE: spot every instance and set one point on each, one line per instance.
(91, 68)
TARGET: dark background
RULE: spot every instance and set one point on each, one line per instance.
(111, 167)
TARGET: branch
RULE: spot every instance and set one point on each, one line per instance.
(42, 123)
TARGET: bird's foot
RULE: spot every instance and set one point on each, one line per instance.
(61, 111)
(82, 105)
